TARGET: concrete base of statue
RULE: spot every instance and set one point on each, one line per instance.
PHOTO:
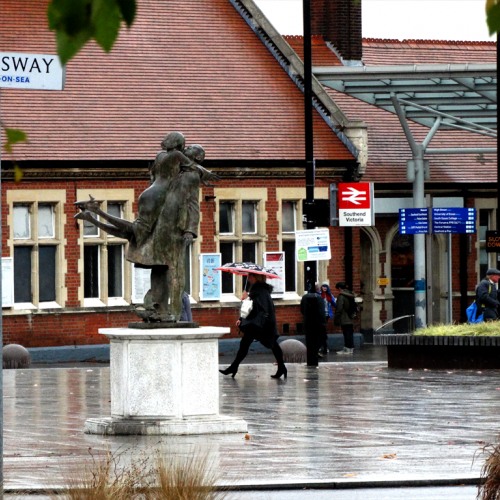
(164, 381)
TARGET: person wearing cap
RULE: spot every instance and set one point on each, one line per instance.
(486, 294)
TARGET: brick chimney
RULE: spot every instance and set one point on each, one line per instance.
(339, 21)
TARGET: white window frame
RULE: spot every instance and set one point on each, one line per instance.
(53, 221)
(32, 198)
(233, 216)
(294, 207)
(255, 220)
(124, 198)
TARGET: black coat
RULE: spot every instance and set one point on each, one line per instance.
(489, 300)
(260, 293)
(312, 307)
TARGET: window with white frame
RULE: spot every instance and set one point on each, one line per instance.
(36, 246)
(288, 228)
(103, 262)
(239, 236)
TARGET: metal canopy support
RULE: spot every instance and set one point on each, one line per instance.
(418, 202)
(438, 96)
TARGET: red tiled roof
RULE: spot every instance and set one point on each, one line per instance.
(321, 55)
(381, 52)
(193, 66)
(388, 148)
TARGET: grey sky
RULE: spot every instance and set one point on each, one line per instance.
(401, 19)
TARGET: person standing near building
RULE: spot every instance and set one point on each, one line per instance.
(342, 317)
(330, 305)
(487, 295)
(312, 307)
(186, 314)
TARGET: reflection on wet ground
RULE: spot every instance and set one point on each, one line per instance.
(350, 421)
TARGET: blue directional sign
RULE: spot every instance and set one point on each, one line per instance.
(453, 220)
(413, 220)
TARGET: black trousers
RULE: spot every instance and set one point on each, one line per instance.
(246, 342)
(323, 336)
(348, 331)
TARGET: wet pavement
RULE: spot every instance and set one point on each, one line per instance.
(428, 493)
(347, 423)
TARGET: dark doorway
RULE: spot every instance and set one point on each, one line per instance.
(402, 278)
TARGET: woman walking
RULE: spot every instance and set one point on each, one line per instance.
(259, 325)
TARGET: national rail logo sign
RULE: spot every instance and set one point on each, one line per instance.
(356, 204)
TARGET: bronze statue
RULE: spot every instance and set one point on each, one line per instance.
(167, 221)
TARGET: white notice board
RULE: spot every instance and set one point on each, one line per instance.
(276, 262)
(313, 244)
(141, 283)
(7, 282)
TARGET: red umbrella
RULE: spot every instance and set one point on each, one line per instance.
(246, 268)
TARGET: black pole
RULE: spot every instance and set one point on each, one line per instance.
(310, 266)
(310, 274)
(348, 256)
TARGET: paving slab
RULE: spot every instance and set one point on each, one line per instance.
(346, 423)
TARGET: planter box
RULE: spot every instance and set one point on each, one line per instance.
(419, 351)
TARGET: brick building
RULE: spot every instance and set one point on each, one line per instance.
(467, 180)
(219, 72)
(207, 69)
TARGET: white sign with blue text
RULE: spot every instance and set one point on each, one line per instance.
(31, 71)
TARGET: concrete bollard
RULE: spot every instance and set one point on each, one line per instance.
(294, 351)
(16, 356)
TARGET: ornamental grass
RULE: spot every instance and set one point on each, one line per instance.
(488, 329)
(489, 489)
(150, 476)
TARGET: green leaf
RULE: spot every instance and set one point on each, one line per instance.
(69, 17)
(78, 21)
(13, 137)
(106, 19)
(493, 18)
(128, 9)
(18, 173)
(68, 47)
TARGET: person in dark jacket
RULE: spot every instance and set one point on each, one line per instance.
(266, 331)
(312, 307)
(186, 314)
(330, 305)
(343, 319)
(487, 295)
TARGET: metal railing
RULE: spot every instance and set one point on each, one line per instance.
(411, 323)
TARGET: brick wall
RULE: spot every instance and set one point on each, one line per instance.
(81, 327)
(339, 22)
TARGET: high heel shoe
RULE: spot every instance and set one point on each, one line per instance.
(232, 370)
(281, 371)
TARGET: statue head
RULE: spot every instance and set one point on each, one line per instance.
(195, 152)
(173, 140)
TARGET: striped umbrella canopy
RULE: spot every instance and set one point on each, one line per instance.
(246, 268)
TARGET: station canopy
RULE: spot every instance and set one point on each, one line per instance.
(444, 96)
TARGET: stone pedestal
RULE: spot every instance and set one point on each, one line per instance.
(164, 381)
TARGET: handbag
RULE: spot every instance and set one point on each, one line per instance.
(472, 316)
(246, 307)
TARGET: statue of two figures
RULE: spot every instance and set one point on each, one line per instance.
(167, 222)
